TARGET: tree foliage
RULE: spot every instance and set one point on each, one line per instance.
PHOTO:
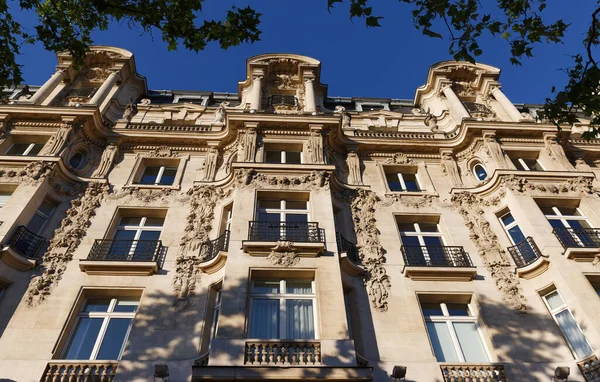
(68, 24)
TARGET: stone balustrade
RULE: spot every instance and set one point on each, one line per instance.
(283, 353)
(67, 371)
(590, 368)
(473, 373)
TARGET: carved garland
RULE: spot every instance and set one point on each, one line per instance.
(316, 180)
(65, 240)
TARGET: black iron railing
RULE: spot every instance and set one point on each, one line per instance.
(126, 250)
(578, 237)
(283, 100)
(290, 231)
(525, 252)
(25, 242)
(210, 249)
(477, 109)
(348, 247)
(435, 256)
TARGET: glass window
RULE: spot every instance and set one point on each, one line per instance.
(4, 196)
(289, 220)
(280, 156)
(454, 333)
(136, 238)
(567, 325)
(480, 171)
(25, 149)
(76, 160)
(101, 329)
(41, 217)
(423, 244)
(158, 175)
(215, 317)
(399, 182)
(282, 309)
(571, 226)
(524, 164)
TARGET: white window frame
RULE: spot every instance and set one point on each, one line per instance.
(138, 228)
(159, 176)
(474, 171)
(525, 167)
(214, 327)
(107, 316)
(283, 155)
(511, 225)
(563, 218)
(402, 182)
(27, 150)
(282, 297)
(556, 311)
(448, 319)
(421, 235)
(282, 210)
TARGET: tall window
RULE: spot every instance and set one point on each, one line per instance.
(42, 215)
(571, 226)
(517, 237)
(480, 172)
(136, 237)
(158, 175)
(101, 329)
(422, 242)
(4, 196)
(283, 156)
(527, 164)
(454, 333)
(283, 219)
(282, 309)
(402, 181)
(25, 149)
(569, 328)
(215, 316)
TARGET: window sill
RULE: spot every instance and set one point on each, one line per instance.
(582, 254)
(264, 248)
(408, 193)
(17, 261)
(152, 186)
(539, 266)
(118, 268)
(417, 273)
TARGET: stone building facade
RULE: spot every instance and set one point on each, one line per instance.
(281, 233)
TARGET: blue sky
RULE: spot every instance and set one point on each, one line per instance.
(391, 61)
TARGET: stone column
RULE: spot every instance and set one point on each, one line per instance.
(310, 106)
(104, 89)
(456, 107)
(255, 93)
(48, 87)
(510, 109)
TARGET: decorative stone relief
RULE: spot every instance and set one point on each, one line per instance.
(450, 168)
(162, 152)
(410, 201)
(221, 112)
(209, 170)
(493, 149)
(494, 257)
(316, 180)
(248, 146)
(315, 146)
(65, 241)
(579, 185)
(556, 151)
(345, 116)
(432, 122)
(369, 248)
(354, 173)
(203, 200)
(398, 158)
(3, 125)
(130, 111)
(58, 141)
(106, 162)
(143, 195)
(31, 174)
(283, 254)
(581, 165)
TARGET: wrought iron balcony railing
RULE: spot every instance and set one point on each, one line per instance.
(435, 256)
(211, 249)
(25, 242)
(126, 250)
(289, 231)
(289, 100)
(578, 237)
(525, 252)
(348, 247)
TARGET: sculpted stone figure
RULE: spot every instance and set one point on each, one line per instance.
(130, 111)
(108, 158)
(493, 149)
(210, 164)
(315, 145)
(557, 152)
(345, 117)
(450, 168)
(354, 175)
(220, 112)
(59, 139)
(431, 121)
(249, 143)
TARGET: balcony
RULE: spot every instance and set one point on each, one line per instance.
(67, 371)
(214, 253)
(305, 353)
(21, 252)
(590, 368)
(528, 258)
(437, 263)
(123, 257)
(580, 244)
(349, 256)
(303, 239)
(473, 372)
(286, 100)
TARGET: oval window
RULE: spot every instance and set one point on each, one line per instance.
(76, 160)
(480, 171)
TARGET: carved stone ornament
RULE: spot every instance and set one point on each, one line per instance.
(398, 158)
(106, 162)
(316, 180)
(354, 173)
(494, 258)
(493, 149)
(202, 200)
(221, 112)
(130, 111)
(582, 165)
(248, 146)
(143, 195)
(65, 241)
(345, 116)
(579, 185)
(556, 151)
(31, 174)
(209, 169)
(315, 147)
(370, 251)
(431, 121)
(58, 141)
(162, 152)
(450, 168)
(283, 254)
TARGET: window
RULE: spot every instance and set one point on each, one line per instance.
(25, 149)
(567, 325)
(136, 237)
(372, 107)
(283, 156)
(527, 164)
(76, 160)
(402, 181)
(453, 332)
(101, 329)
(571, 226)
(347, 293)
(4, 196)
(282, 309)
(215, 316)
(283, 219)
(158, 175)
(422, 240)
(42, 215)
(517, 238)
(480, 172)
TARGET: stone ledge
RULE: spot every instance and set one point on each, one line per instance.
(349, 266)
(582, 254)
(215, 264)
(539, 266)
(15, 260)
(286, 373)
(118, 268)
(264, 248)
(440, 273)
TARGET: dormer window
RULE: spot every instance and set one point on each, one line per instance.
(281, 99)
(372, 107)
(281, 153)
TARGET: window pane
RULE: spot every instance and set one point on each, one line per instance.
(150, 174)
(298, 287)
(36, 224)
(154, 222)
(458, 309)
(573, 334)
(406, 227)
(264, 321)
(265, 287)
(296, 218)
(300, 319)
(470, 342)
(431, 309)
(295, 205)
(113, 340)
(531, 163)
(441, 342)
(273, 156)
(480, 172)
(572, 211)
(393, 182)
(275, 204)
(578, 223)
(426, 227)
(410, 240)
(17, 149)
(76, 160)
(126, 305)
(536, 166)
(507, 219)
(97, 305)
(293, 157)
(46, 208)
(168, 176)
(517, 164)
(549, 211)
(130, 220)
(150, 235)
(35, 150)
(269, 217)
(434, 241)
(554, 300)
(84, 338)
(410, 180)
(516, 234)
(556, 223)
